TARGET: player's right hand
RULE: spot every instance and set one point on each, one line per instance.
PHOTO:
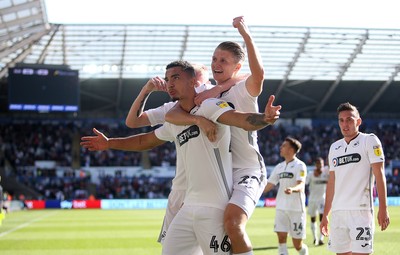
(98, 142)
(157, 84)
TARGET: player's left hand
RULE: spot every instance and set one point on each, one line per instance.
(272, 112)
(383, 219)
(208, 127)
(288, 191)
(324, 226)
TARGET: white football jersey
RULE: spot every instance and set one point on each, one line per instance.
(353, 175)
(157, 117)
(317, 185)
(208, 166)
(287, 175)
(245, 150)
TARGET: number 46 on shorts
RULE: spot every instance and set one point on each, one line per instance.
(225, 245)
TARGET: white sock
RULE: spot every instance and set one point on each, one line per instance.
(314, 229)
(304, 249)
(244, 253)
(282, 250)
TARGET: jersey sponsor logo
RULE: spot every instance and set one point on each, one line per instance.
(187, 134)
(346, 159)
(286, 175)
(377, 150)
(222, 104)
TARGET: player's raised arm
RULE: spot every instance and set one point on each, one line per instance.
(252, 121)
(136, 117)
(254, 82)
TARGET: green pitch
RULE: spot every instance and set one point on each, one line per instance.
(114, 232)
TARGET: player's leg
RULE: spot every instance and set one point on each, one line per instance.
(282, 243)
(300, 246)
(321, 207)
(1, 216)
(313, 225)
(181, 239)
(175, 201)
(339, 238)
(2, 212)
(282, 228)
(235, 221)
(248, 185)
(210, 232)
(298, 231)
(321, 236)
(362, 229)
(312, 211)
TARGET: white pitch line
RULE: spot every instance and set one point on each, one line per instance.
(26, 224)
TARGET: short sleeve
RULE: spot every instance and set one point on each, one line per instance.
(157, 115)
(274, 178)
(212, 108)
(165, 133)
(302, 172)
(374, 149)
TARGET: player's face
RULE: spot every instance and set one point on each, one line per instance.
(179, 83)
(285, 149)
(319, 164)
(223, 65)
(349, 122)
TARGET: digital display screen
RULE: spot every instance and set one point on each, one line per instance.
(43, 89)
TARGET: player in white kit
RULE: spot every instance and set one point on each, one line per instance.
(354, 162)
(199, 222)
(290, 215)
(152, 117)
(249, 172)
(316, 182)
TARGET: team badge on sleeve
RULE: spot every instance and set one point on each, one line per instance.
(302, 173)
(378, 150)
(222, 104)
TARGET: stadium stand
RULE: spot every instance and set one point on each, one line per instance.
(309, 69)
(27, 143)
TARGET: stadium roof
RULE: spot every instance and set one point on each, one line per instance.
(291, 55)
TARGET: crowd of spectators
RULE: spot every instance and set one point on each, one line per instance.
(23, 143)
(118, 186)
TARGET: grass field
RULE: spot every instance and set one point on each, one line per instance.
(98, 232)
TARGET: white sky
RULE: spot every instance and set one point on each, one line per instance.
(310, 13)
